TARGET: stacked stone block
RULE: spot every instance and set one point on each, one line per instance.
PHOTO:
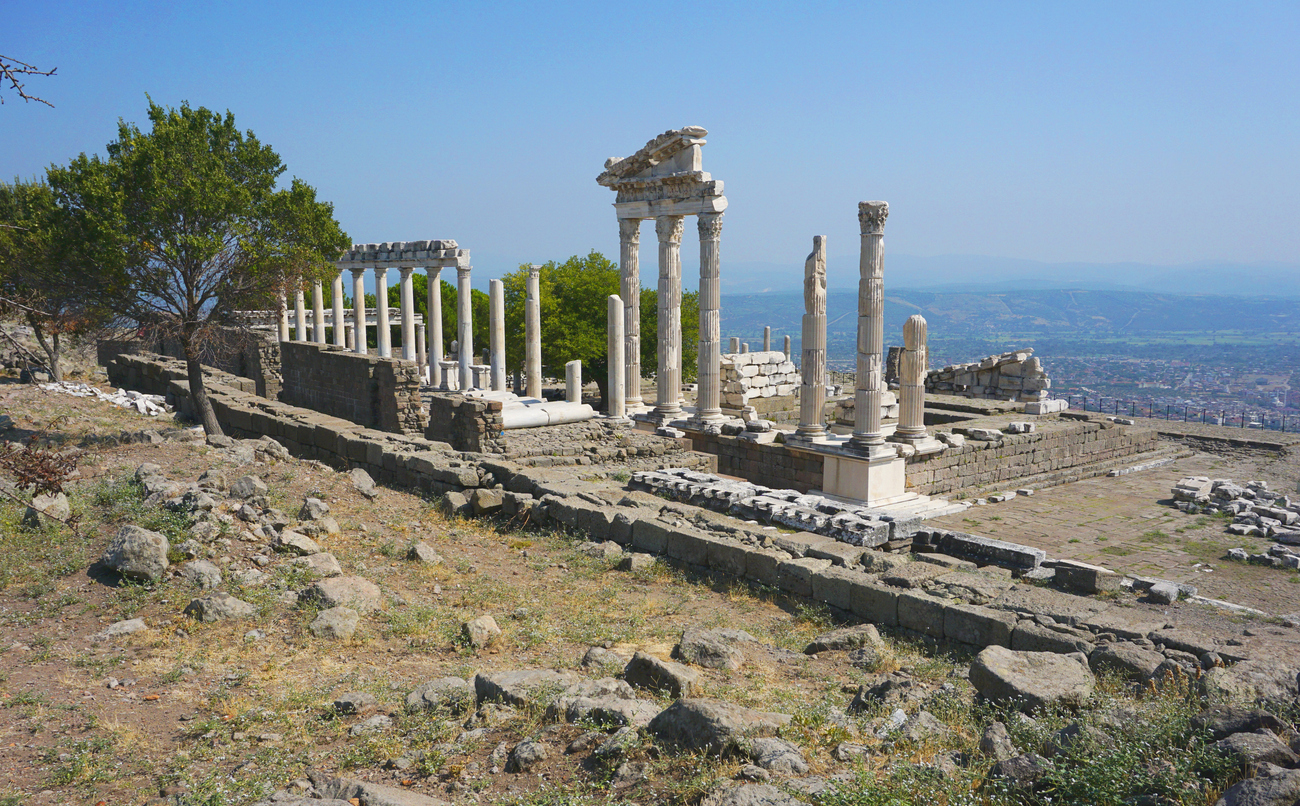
(379, 393)
(467, 423)
(749, 376)
(1010, 376)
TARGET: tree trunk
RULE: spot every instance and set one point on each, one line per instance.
(51, 350)
(199, 394)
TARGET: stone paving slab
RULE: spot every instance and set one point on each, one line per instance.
(1125, 523)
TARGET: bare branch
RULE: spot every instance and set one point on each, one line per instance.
(11, 69)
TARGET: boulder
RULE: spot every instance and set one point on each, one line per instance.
(338, 623)
(1127, 659)
(219, 606)
(451, 693)
(313, 509)
(424, 553)
(714, 649)
(1259, 747)
(777, 755)
(480, 632)
(53, 505)
(358, 593)
(322, 564)
(1021, 771)
(362, 483)
(606, 701)
(996, 743)
(120, 628)
(293, 543)
(201, 573)
(713, 726)
(368, 794)
(526, 755)
(1222, 721)
(922, 727)
(246, 487)
(749, 795)
(522, 688)
(355, 702)
(846, 638)
(647, 671)
(1250, 681)
(1271, 786)
(1031, 679)
(137, 553)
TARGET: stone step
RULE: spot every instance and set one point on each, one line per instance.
(1080, 472)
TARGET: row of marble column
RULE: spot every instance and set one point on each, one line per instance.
(668, 399)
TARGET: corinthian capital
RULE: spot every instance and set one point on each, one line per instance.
(462, 272)
(669, 228)
(710, 226)
(872, 215)
(629, 230)
(534, 270)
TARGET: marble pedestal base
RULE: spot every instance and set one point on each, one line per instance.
(876, 482)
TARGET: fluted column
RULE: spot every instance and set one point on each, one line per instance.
(359, 311)
(299, 316)
(497, 334)
(434, 324)
(911, 382)
(616, 405)
(383, 336)
(336, 291)
(767, 338)
(812, 389)
(708, 400)
(407, 301)
(533, 333)
(867, 427)
(668, 383)
(464, 328)
(629, 257)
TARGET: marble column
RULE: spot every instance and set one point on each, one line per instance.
(629, 264)
(421, 353)
(573, 381)
(282, 326)
(359, 311)
(911, 382)
(407, 291)
(434, 324)
(383, 335)
(708, 398)
(668, 381)
(767, 338)
(812, 389)
(786, 348)
(317, 312)
(336, 291)
(533, 333)
(868, 431)
(464, 329)
(497, 333)
(299, 316)
(735, 345)
(615, 386)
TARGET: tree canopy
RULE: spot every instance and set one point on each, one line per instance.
(187, 226)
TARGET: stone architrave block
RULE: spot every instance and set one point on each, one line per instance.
(921, 613)
(873, 602)
(977, 626)
(1085, 578)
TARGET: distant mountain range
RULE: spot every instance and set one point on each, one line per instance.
(977, 273)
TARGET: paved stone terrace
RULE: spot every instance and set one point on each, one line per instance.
(1126, 523)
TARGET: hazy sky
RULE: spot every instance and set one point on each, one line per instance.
(1151, 132)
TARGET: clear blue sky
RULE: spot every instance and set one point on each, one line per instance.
(1161, 133)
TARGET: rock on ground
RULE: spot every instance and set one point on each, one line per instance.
(296, 544)
(354, 791)
(714, 649)
(321, 564)
(451, 693)
(246, 487)
(339, 623)
(777, 755)
(480, 632)
(522, 687)
(650, 672)
(137, 553)
(219, 606)
(202, 573)
(424, 553)
(358, 593)
(120, 628)
(1222, 721)
(526, 755)
(362, 482)
(996, 743)
(1032, 679)
(749, 795)
(1250, 681)
(1271, 786)
(714, 726)
(846, 638)
(355, 702)
(1253, 749)
(313, 509)
(1127, 659)
(54, 505)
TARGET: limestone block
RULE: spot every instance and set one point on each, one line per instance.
(749, 371)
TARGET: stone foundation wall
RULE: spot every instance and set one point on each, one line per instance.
(251, 354)
(770, 465)
(466, 423)
(748, 378)
(1054, 447)
(380, 393)
(1009, 376)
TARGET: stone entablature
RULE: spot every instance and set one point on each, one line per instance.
(404, 254)
(664, 178)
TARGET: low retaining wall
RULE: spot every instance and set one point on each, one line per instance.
(467, 423)
(381, 393)
(250, 354)
(771, 465)
(1055, 446)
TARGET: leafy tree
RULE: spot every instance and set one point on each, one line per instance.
(187, 226)
(478, 303)
(39, 268)
(574, 318)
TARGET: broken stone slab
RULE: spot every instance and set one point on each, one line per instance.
(351, 790)
(120, 628)
(713, 726)
(1021, 427)
(288, 542)
(451, 693)
(362, 482)
(201, 573)
(750, 795)
(246, 487)
(647, 671)
(356, 592)
(522, 688)
(1084, 578)
(606, 701)
(1127, 658)
(1032, 680)
(321, 564)
(845, 638)
(714, 649)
